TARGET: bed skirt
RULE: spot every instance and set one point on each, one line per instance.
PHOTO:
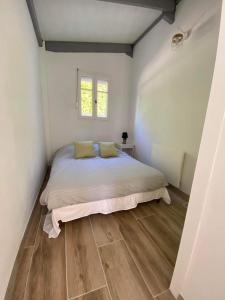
(76, 211)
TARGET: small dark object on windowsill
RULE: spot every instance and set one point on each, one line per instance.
(124, 137)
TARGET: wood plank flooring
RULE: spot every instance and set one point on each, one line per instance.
(149, 259)
(101, 294)
(17, 284)
(128, 255)
(165, 296)
(106, 229)
(84, 271)
(32, 228)
(124, 279)
(47, 276)
(161, 234)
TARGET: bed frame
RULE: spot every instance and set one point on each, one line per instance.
(107, 206)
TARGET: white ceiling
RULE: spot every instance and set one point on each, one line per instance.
(92, 20)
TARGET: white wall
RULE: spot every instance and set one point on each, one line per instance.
(171, 88)
(62, 121)
(22, 158)
(199, 271)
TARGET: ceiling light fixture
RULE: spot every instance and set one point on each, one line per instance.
(179, 38)
(182, 35)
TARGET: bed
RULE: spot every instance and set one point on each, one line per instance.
(81, 187)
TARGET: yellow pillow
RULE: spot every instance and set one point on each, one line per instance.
(108, 149)
(84, 150)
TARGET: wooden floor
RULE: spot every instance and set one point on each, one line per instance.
(128, 255)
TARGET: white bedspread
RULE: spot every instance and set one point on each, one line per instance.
(73, 181)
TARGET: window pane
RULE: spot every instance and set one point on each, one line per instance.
(102, 103)
(86, 103)
(102, 86)
(86, 83)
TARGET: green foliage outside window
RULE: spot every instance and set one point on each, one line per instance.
(86, 103)
(86, 83)
(87, 98)
(102, 86)
(102, 105)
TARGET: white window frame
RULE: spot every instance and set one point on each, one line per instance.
(95, 78)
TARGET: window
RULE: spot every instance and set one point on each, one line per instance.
(102, 99)
(94, 97)
(86, 96)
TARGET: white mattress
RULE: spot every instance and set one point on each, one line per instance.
(75, 181)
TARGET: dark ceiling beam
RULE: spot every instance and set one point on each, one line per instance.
(58, 46)
(168, 8)
(34, 19)
(157, 20)
(169, 16)
(163, 5)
